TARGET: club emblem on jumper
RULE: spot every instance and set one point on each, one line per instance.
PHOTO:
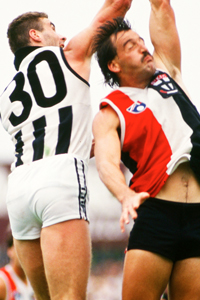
(164, 85)
(137, 107)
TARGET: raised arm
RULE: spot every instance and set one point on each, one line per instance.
(79, 51)
(165, 39)
(108, 155)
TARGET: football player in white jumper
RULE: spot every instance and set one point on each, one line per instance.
(46, 109)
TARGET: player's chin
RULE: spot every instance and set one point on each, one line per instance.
(151, 68)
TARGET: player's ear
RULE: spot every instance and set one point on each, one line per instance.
(113, 66)
(35, 35)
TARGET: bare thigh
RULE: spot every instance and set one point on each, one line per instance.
(145, 275)
(30, 256)
(66, 249)
(185, 280)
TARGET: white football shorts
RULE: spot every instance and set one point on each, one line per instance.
(46, 192)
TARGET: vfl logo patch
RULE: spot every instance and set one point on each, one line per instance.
(164, 85)
(137, 107)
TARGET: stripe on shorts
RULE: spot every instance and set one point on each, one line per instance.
(80, 171)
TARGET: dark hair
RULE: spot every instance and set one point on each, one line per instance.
(18, 29)
(9, 240)
(105, 49)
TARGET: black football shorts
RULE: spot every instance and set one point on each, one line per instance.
(170, 229)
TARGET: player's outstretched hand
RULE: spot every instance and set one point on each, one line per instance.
(130, 205)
